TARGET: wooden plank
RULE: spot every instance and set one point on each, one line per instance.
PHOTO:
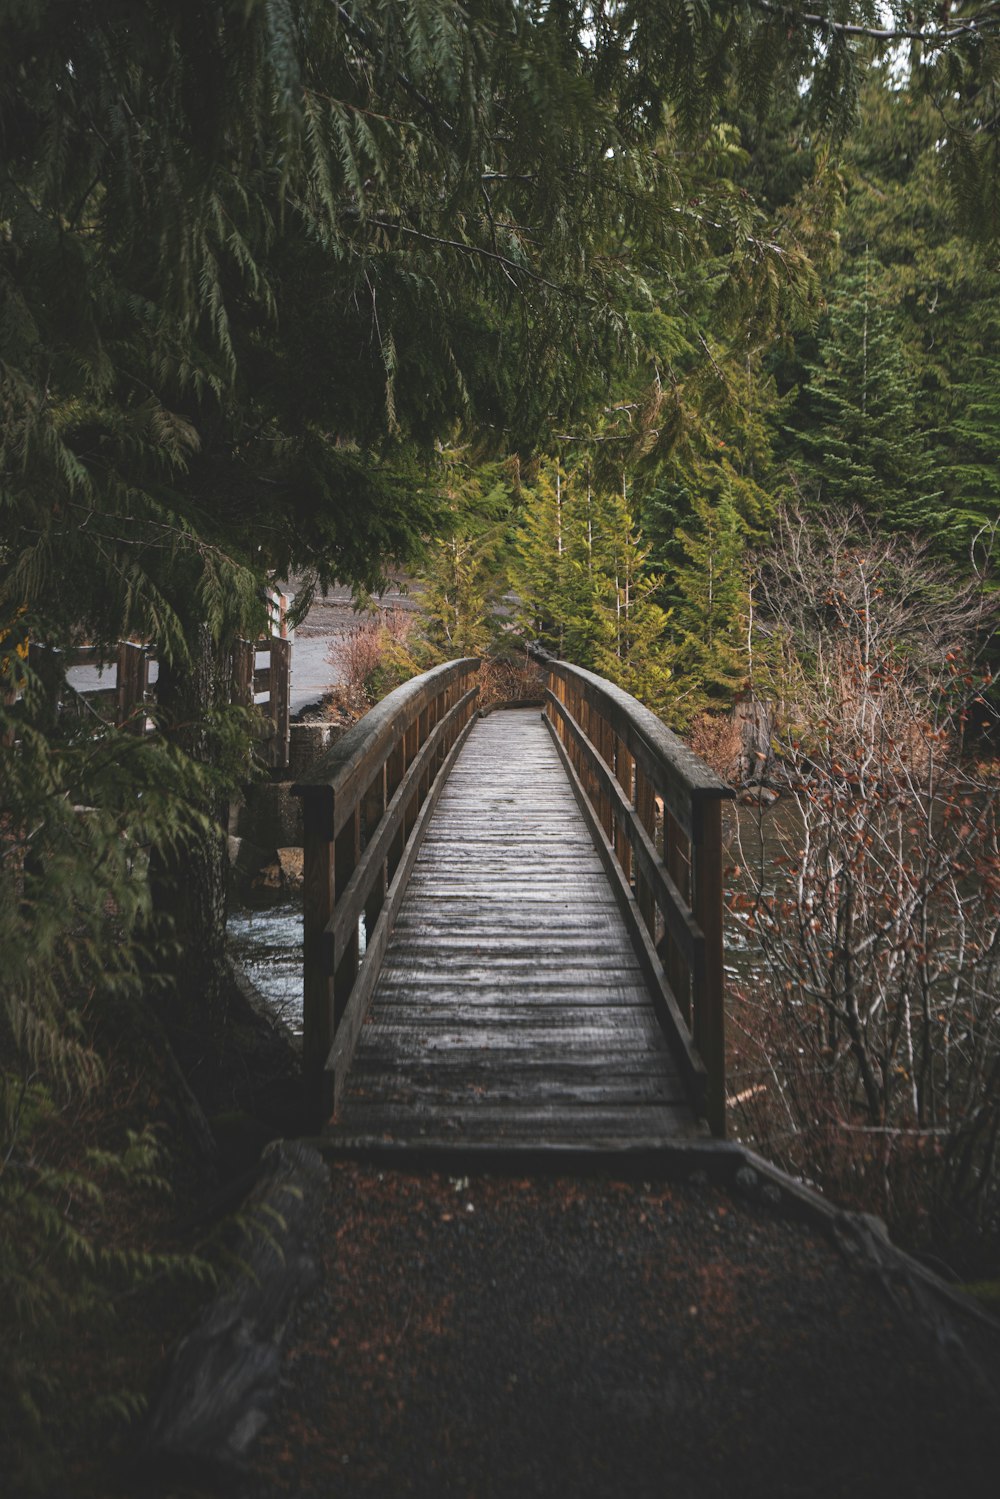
(585, 1123)
(505, 1066)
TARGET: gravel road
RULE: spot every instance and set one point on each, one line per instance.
(319, 639)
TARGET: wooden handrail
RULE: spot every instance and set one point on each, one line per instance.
(654, 808)
(365, 808)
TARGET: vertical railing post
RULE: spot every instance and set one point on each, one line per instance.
(677, 859)
(411, 744)
(133, 670)
(281, 658)
(317, 995)
(623, 844)
(645, 808)
(346, 853)
(244, 656)
(374, 810)
(394, 769)
(604, 743)
(709, 1016)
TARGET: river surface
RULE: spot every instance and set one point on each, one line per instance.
(266, 941)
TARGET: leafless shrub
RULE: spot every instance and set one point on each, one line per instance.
(360, 657)
(375, 657)
(505, 680)
(873, 899)
(718, 740)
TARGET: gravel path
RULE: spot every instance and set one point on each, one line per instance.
(567, 1336)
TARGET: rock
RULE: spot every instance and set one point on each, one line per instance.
(758, 796)
(291, 865)
(247, 859)
(223, 1376)
(746, 1180)
(308, 743)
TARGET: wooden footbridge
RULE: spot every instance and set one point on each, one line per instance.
(513, 923)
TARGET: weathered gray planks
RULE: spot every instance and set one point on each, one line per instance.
(511, 1006)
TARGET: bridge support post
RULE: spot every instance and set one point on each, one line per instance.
(318, 902)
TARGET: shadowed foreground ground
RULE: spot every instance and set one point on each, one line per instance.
(501, 1337)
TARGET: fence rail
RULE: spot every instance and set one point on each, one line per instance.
(365, 809)
(655, 812)
(264, 686)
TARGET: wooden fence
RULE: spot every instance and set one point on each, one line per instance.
(261, 673)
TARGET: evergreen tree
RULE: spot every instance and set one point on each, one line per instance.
(710, 620)
(631, 644)
(854, 441)
(581, 574)
(541, 570)
(463, 574)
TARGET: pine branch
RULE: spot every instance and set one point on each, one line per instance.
(478, 251)
(985, 23)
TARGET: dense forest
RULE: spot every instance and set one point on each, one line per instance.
(664, 334)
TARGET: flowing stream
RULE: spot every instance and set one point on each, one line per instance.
(266, 941)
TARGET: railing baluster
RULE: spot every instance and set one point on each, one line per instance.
(624, 767)
(675, 853)
(347, 852)
(645, 807)
(710, 1016)
(395, 765)
(373, 811)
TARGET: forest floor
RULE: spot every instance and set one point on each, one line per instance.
(487, 1337)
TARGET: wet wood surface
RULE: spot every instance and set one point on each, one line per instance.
(511, 1007)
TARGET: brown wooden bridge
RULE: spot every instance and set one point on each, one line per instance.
(513, 923)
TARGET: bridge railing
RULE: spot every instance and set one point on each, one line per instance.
(365, 808)
(655, 811)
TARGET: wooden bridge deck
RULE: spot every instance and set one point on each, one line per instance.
(511, 1008)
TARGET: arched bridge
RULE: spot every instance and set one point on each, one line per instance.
(513, 923)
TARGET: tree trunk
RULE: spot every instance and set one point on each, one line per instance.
(189, 881)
